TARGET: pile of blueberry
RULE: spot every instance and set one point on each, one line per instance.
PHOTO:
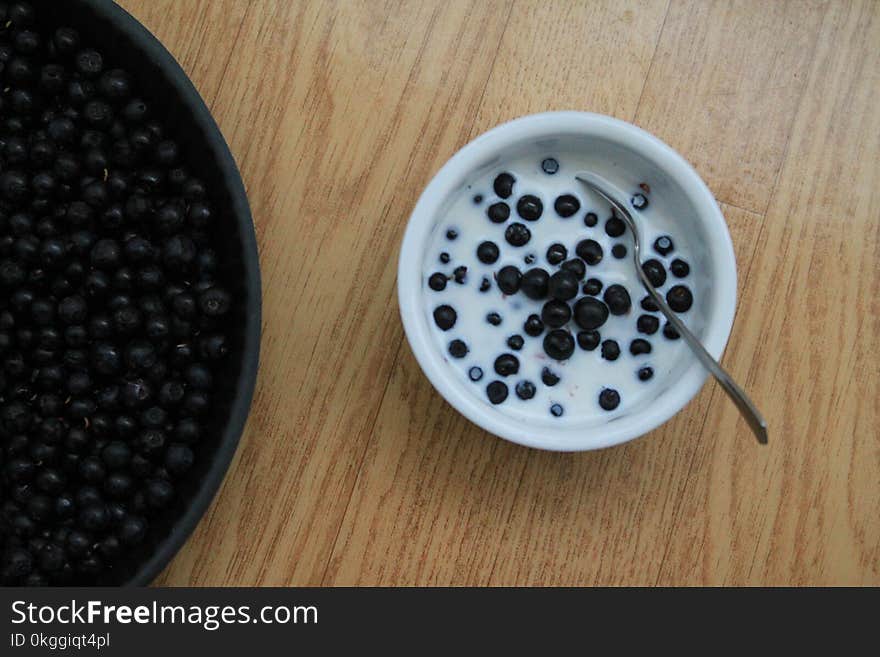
(111, 310)
(574, 305)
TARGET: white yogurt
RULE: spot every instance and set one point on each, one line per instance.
(585, 374)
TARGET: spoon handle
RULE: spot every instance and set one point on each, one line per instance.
(745, 405)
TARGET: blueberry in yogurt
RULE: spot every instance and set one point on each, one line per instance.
(566, 205)
(525, 390)
(506, 364)
(517, 234)
(558, 344)
(496, 392)
(548, 377)
(617, 299)
(550, 165)
(576, 266)
(498, 213)
(458, 349)
(639, 346)
(680, 298)
(609, 399)
(590, 251)
(487, 252)
(590, 313)
(529, 296)
(592, 286)
(648, 303)
(639, 201)
(509, 279)
(588, 340)
(663, 245)
(444, 317)
(647, 324)
(503, 185)
(615, 227)
(556, 253)
(610, 350)
(555, 313)
(437, 282)
(529, 207)
(535, 283)
(533, 326)
(679, 268)
(655, 272)
(563, 285)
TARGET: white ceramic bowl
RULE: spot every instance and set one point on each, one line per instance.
(623, 154)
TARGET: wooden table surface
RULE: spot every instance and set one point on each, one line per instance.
(352, 469)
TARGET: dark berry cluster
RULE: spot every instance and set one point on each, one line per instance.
(111, 309)
(565, 291)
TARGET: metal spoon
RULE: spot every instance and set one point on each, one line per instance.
(739, 397)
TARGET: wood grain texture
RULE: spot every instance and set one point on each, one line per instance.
(352, 469)
(806, 511)
(724, 86)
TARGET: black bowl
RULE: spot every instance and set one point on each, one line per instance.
(158, 78)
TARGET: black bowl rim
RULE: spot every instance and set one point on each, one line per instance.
(184, 525)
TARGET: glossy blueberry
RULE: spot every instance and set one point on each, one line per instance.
(679, 298)
(550, 166)
(679, 268)
(639, 346)
(444, 317)
(617, 299)
(559, 344)
(555, 313)
(487, 252)
(610, 350)
(497, 392)
(647, 324)
(590, 313)
(525, 390)
(498, 212)
(556, 253)
(588, 340)
(664, 245)
(529, 207)
(609, 399)
(655, 272)
(590, 251)
(517, 234)
(535, 283)
(503, 185)
(458, 349)
(592, 286)
(509, 279)
(533, 326)
(566, 205)
(576, 266)
(615, 227)
(548, 377)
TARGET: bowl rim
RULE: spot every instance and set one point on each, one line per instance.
(183, 525)
(451, 176)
